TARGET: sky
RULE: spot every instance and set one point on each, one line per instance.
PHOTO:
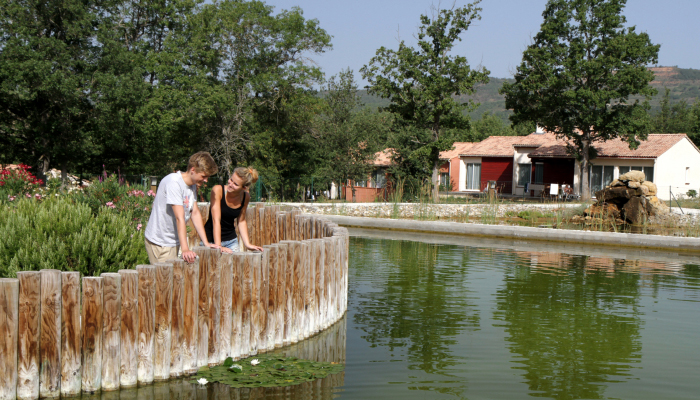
(360, 27)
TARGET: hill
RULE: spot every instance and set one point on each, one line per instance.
(684, 84)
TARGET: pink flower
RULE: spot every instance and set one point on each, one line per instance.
(29, 196)
(151, 193)
(138, 227)
(110, 205)
(12, 198)
(37, 196)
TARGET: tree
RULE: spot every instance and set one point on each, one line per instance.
(346, 139)
(423, 83)
(577, 77)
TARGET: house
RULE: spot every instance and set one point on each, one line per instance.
(526, 165)
(449, 171)
(376, 184)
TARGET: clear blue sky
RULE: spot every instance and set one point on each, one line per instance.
(360, 27)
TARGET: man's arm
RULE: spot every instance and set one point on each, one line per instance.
(179, 212)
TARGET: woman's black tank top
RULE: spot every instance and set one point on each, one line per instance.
(228, 218)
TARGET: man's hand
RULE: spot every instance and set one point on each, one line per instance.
(189, 256)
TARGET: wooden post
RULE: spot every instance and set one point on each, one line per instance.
(272, 301)
(288, 292)
(9, 319)
(147, 322)
(260, 274)
(247, 304)
(50, 340)
(190, 318)
(129, 328)
(307, 273)
(250, 222)
(310, 288)
(111, 330)
(203, 312)
(320, 284)
(294, 224)
(281, 301)
(28, 332)
(177, 316)
(226, 326)
(71, 339)
(256, 323)
(164, 312)
(299, 287)
(262, 231)
(214, 305)
(238, 260)
(92, 324)
(281, 226)
(328, 280)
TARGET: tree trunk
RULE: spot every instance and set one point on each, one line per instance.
(436, 181)
(352, 187)
(585, 179)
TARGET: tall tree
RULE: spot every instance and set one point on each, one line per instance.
(422, 84)
(577, 77)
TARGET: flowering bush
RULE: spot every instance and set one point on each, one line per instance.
(16, 182)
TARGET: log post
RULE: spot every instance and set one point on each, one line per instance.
(111, 330)
(226, 325)
(164, 312)
(9, 319)
(203, 312)
(272, 301)
(281, 301)
(294, 225)
(92, 327)
(213, 256)
(247, 304)
(299, 286)
(259, 224)
(264, 286)
(250, 222)
(329, 293)
(128, 359)
(177, 326)
(50, 341)
(288, 291)
(147, 322)
(237, 260)
(71, 339)
(190, 317)
(28, 332)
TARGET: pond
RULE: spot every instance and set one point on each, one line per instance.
(445, 317)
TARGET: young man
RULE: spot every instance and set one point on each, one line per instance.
(174, 205)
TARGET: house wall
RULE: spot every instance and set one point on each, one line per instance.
(679, 169)
(455, 167)
(521, 156)
(364, 195)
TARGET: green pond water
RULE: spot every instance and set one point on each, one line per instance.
(434, 317)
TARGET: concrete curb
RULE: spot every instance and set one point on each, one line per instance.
(633, 240)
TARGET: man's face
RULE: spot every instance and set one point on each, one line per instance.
(199, 178)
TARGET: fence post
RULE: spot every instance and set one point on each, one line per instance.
(190, 318)
(129, 328)
(147, 324)
(28, 333)
(238, 260)
(50, 342)
(71, 363)
(164, 312)
(92, 326)
(9, 310)
(226, 324)
(177, 318)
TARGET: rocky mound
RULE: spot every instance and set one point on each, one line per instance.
(629, 198)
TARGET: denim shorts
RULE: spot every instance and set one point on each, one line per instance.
(229, 244)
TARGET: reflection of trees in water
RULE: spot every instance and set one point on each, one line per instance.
(414, 296)
(574, 327)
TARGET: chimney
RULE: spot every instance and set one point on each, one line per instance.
(539, 130)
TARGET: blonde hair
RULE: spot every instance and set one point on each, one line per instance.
(203, 162)
(248, 174)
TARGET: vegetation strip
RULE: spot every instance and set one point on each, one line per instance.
(267, 370)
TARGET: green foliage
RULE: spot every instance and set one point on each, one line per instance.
(423, 84)
(692, 193)
(17, 182)
(59, 234)
(578, 75)
(273, 370)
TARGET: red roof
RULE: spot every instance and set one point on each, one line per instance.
(383, 158)
(502, 146)
(655, 145)
(459, 148)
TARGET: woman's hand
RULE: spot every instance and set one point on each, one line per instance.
(254, 248)
(225, 250)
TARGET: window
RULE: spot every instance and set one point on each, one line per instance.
(524, 174)
(379, 178)
(473, 178)
(648, 171)
(539, 173)
(601, 176)
(445, 181)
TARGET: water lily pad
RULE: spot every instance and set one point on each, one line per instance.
(271, 371)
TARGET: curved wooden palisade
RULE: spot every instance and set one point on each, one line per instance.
(164, 321)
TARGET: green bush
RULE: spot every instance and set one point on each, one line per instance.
(530, 214)
(59, 233)
(17, 182)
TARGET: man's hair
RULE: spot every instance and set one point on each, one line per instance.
(203, 162)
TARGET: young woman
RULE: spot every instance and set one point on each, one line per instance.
(229, 203)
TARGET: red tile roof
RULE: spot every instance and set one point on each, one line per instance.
(655, 145)
(502, 146)
(459, 148)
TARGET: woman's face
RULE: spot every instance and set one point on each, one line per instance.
(235, 183)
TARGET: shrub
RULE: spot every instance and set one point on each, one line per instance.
(17, 182)
(59, 233)
(119, 197)
(692, 193)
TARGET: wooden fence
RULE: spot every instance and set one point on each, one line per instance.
(60, 335)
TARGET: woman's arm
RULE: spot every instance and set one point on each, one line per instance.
(215, 204)
(243, 227)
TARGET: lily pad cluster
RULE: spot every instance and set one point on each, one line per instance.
(267, 370)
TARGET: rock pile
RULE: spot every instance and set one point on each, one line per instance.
(630, 198)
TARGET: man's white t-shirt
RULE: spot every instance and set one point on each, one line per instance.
(162, 225)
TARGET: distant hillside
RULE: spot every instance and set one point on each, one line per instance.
(684, 84)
